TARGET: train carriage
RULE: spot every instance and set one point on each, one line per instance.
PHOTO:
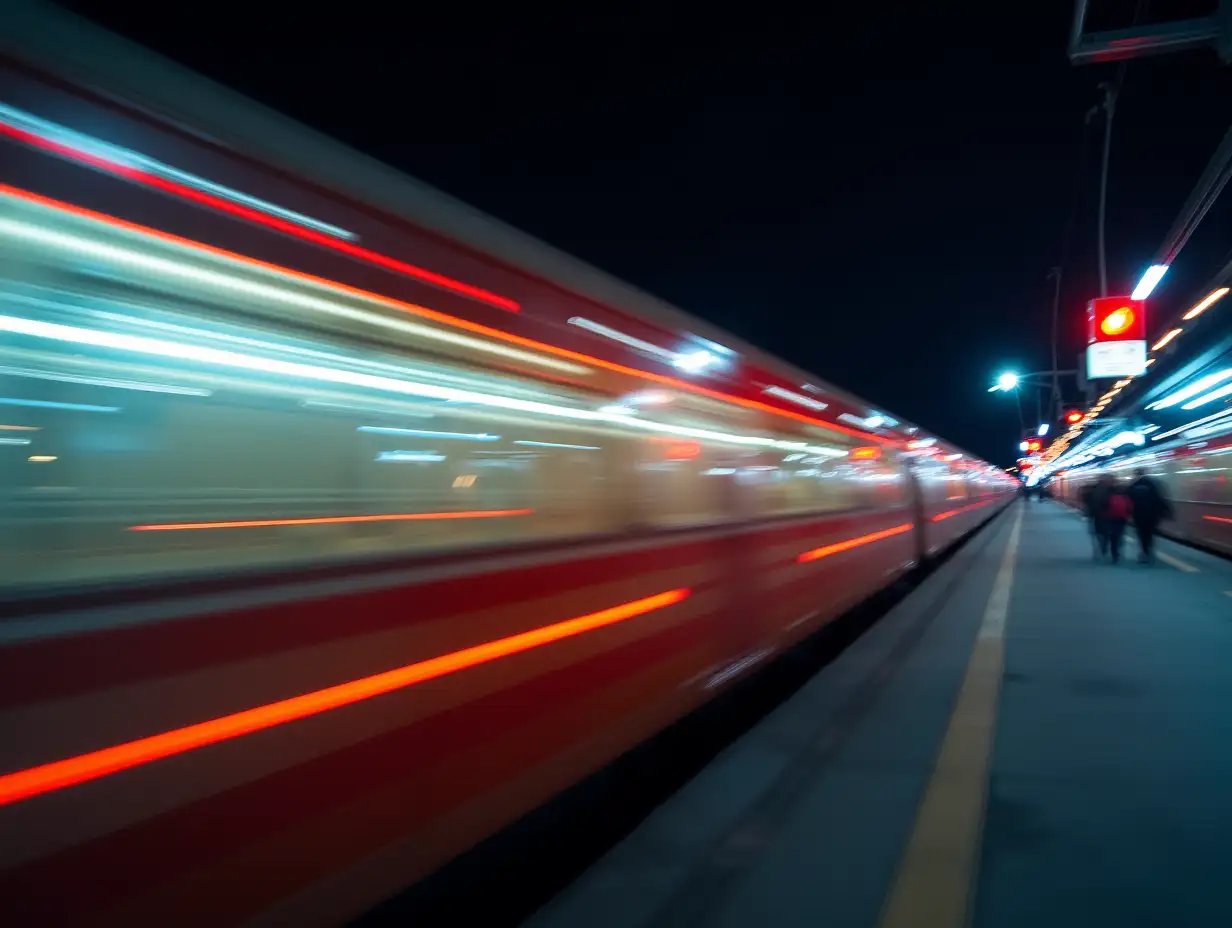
(342, 525)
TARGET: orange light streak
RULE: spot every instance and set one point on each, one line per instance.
(850, 543)
(83, 768)
(961, 509)
(334, 520)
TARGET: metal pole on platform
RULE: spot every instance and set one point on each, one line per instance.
(1055, 404)
(1110, 94)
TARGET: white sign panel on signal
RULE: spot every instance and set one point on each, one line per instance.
(1114, 360)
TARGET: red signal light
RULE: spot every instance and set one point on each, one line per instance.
(1116, 319)
(1073, 417)
(1034, 445)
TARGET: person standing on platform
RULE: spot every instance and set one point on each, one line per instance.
(1150, 508)
(1117, 513)
(1095, 505)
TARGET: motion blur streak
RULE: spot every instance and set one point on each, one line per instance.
(334, 520)
(434, 315)
(954, 512)
(128, 259)
(1217, 519)
(68, 151)
(50, 136)
(296, 228)
(355, 251)
(850, 543)
(168, 349)
(72, 771)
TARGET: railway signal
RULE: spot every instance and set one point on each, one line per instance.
(1116, 338)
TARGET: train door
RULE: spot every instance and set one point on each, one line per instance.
(918, 520)
(742, 631)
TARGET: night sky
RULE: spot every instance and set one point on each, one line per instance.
(874, 193)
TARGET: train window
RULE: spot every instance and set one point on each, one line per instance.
(129, 465)
(172, 423)
(682, 482)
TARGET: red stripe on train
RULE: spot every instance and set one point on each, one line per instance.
(110, 868)
(72, 771)
(166, 648)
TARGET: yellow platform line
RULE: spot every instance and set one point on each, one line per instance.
(1176, 562)
(936, 875)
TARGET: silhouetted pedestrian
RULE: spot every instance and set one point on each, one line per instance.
(1150, 508)
(1117, 513)
(1094, 506)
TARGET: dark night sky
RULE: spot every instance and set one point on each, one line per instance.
(875, 194)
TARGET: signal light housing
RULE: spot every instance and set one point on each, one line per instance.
(1116, 319)
(1116, 338)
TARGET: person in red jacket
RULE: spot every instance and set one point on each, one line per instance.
(1118, 510)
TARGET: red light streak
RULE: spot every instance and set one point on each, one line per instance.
(335, 520)
(961, 509)
(865, 454)
(827, 550)
(1217, 519)
(46, 778)
(435, 315)
(104, 164)
(272, 222)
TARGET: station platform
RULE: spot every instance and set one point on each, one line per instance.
(1030, 739)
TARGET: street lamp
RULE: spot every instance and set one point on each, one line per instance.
(1007, 382)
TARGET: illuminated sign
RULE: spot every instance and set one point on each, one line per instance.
(1109, 360)
(1116, 338)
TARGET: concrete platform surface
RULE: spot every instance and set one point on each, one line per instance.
(1030, 739)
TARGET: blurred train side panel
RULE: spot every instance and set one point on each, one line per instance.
(332, 544)
(1194, 475)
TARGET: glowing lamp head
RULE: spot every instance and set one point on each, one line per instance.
(1073, 417)
(1118, 321)
(1007, 381)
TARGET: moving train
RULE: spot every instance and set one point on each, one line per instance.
(343, 525)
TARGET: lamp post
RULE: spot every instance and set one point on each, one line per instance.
(1055, 410)
(1010, 382)
(1109, 106)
